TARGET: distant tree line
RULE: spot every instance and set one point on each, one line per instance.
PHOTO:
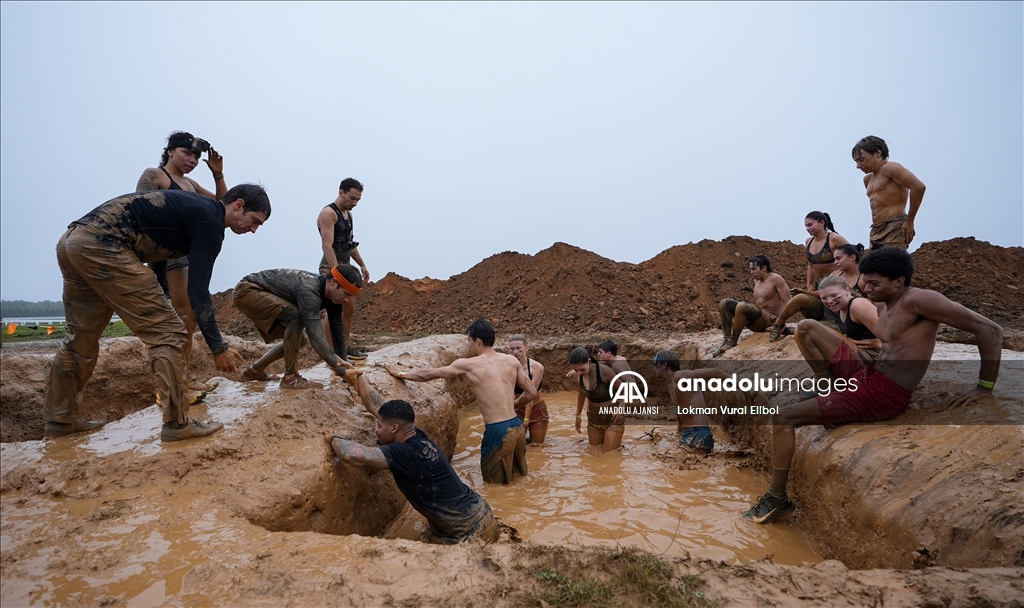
(21, 308)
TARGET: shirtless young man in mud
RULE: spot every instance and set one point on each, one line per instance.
(102, 257)
(493, 376)
(534, 414)
(453, 511)
(907, 326)
(335, 226)
(283, 302)
(889, 186)
(770, 296)
(179, 158)
(694, 429)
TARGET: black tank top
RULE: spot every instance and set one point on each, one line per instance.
(852, 329)
(174, 184)
(600, 392)
(529, 374)
(342, 235)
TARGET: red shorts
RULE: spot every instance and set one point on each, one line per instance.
(876, 396)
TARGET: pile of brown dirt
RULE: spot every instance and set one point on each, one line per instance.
(565, 289)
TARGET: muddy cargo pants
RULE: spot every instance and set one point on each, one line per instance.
(102, 276)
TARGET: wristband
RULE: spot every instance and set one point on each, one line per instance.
(986, 384)
(526, 421)
(401, 375)
(218, 176)
(578, 416)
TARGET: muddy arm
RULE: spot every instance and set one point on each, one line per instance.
(367, 394)
(357, 454)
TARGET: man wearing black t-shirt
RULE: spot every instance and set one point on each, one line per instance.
(102, 258)
(454, 512)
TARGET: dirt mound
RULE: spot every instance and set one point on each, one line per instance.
(565, 289)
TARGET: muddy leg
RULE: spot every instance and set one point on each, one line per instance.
(612, 441)
(292, 321)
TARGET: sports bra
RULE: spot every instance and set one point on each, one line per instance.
(529, 374)
(852, 329)
(816, 258)
(600, 392)
(174, 184)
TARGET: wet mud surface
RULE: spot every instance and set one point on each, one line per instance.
(259, 514)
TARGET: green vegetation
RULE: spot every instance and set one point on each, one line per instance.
(626, 577)
(26, 333)
(21, 308)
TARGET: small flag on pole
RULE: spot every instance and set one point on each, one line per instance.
(11, 328)
(49, 329)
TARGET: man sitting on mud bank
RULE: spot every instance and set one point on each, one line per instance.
(493, 376)
(770, 296)
(102, 257)
(453, 511)
(907, 326)
(281, 302)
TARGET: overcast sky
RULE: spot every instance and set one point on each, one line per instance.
(622, 128)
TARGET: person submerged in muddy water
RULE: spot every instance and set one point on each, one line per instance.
(534, 413)
(857, 318)
(179, 158)
(809, 303)
(493, 376)
(770, 296)
(694, 428)
(603, 429)
(280, 303)
(102, 257)
(889, 187)
(908, 323)
(334, 223)
(453, 511)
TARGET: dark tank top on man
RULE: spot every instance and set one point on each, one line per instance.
(342, 244)
(852, 329)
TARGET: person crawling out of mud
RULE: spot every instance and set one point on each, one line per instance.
(281, 303)
(493, 376)
(770, 296)
(534, 413)
(694, 429)
(454, 512)
(908, 323)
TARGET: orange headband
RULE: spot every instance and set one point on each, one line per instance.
(349, 287)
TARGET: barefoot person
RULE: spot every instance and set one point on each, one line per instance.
(809, 303)
(493, 376)
(102, 257)
(889, 187)
(281, 303)
(603, 429)
(857, 319)
(534, 414)
(770, 296)
(335, 226)
(907, 326)
(180, 157)
(694, 428)
(453, 511)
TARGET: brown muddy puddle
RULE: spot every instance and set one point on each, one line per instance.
(636, 496)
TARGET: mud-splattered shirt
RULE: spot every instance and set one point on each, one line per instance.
(432, 487)
(168, 224)
(306, 291)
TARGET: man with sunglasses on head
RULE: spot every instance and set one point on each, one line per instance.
(281, 303)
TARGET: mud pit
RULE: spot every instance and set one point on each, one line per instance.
(259, 514)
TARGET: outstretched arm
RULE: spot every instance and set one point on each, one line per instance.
(356, 454)
(427, 374)
(367, 394)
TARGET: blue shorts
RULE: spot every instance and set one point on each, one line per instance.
(698, 438)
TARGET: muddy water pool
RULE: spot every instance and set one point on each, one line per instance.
(645, 494)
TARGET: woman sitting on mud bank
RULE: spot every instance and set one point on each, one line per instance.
(808, 303)
(825, 239)
(856, 316)
(604, 430)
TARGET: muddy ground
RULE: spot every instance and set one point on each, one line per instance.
(909, 514)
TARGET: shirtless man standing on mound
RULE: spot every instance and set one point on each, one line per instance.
(771, 292)
(889, 185)
(907, 325)
(493, 376)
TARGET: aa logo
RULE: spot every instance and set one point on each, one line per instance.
(625, 391)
